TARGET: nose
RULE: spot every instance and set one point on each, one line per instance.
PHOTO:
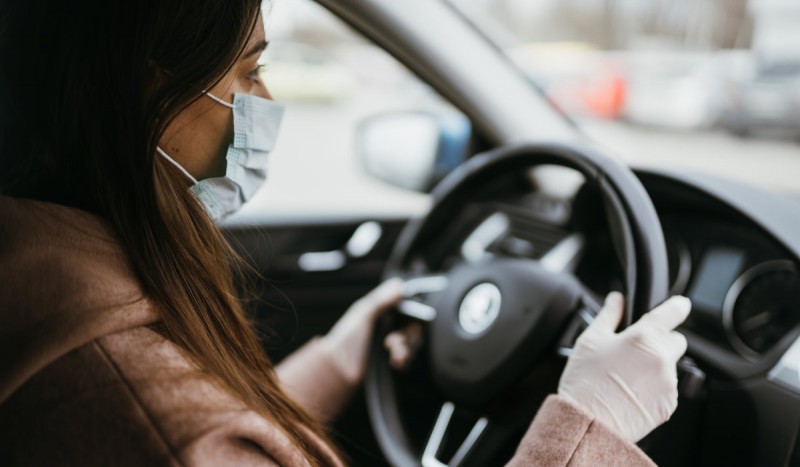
(262, 91)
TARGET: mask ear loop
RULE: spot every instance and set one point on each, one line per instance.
(173, 162)
(217, 99)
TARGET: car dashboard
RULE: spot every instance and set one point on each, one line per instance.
(732, 249)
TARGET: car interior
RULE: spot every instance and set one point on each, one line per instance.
(522, 197)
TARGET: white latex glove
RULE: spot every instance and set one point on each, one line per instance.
(628, 380)
(347, 342)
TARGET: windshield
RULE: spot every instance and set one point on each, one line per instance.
(710, 85)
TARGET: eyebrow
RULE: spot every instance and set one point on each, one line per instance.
(258, 48)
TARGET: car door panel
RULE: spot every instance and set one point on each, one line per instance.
(299, 304)
(294, 305)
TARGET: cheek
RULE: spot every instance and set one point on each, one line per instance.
(198, 138)
(224, 137)
(223, 127)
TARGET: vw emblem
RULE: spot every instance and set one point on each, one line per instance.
(480, 308)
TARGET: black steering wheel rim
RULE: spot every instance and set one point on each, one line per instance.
(639, 235)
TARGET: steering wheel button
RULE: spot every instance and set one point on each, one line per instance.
(480, 308)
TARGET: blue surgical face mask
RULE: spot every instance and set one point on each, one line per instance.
(255, 128)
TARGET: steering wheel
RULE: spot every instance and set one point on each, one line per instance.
(492, 321)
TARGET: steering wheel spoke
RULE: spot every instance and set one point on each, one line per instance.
(564, 258)
(444, 422)
(584, 316)
(565, 255)
(417, 310)
(419, 292)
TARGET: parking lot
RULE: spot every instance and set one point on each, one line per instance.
(773, 163)
(315, 169)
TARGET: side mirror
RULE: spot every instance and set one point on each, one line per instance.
(413, 150)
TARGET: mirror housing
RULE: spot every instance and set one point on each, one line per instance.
(413, 150)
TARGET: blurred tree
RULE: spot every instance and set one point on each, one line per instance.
(618, 24)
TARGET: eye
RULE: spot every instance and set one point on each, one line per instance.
(258, 71)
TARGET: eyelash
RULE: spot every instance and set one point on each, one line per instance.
(260, 69)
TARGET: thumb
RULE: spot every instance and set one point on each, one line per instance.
(383, 297)
(668, 315)
(609, 317)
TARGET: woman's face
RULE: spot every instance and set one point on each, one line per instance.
(199, 136)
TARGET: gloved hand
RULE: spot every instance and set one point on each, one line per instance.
(628, 380)
(347, 342)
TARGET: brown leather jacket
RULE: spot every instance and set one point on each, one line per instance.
(85, 380)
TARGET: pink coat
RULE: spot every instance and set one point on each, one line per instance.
(87, 381)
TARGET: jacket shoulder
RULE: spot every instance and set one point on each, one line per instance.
(77, 411)
(135, 398)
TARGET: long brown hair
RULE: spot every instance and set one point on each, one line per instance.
(81, 118)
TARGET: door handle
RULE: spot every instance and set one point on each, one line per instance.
(360, 244)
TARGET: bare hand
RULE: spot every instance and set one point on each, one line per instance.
(348, 341)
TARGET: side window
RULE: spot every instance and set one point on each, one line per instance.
(705, 85)
(332, 80)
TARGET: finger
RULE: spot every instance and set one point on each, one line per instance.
(609, 317)
(677, 345)
(383, 297)
(413, 335)
(399, 352)
(668, 315)
(403, 344)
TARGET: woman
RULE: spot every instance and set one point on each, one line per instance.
(122, 339)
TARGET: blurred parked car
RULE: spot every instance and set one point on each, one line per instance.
(768, 100)
(672, 91)
(575, 77)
